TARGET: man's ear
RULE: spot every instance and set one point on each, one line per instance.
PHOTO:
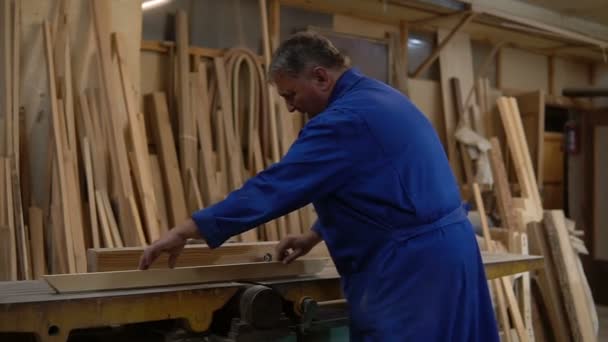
(321, 76)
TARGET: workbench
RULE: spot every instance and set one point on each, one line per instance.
(34, 307)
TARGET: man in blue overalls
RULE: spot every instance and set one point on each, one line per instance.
(388, 204)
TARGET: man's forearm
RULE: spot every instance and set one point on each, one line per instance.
(187, 230)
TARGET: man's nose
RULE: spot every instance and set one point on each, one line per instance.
(290, 107)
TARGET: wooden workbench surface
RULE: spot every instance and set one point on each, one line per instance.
(496, 265)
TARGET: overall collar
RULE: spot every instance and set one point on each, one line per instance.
(346, 81)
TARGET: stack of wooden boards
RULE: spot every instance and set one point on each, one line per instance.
(559, 292)
(122, 171)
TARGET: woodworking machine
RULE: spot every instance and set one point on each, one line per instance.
(264, 310)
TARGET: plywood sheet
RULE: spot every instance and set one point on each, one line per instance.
(82, 282)
(523, 70)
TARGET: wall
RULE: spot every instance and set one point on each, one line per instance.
(523, 70)
(570, 73)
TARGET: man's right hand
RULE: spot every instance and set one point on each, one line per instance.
(292, 247)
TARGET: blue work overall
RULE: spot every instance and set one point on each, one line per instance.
(389, 210)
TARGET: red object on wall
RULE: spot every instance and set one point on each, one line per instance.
(572, 133)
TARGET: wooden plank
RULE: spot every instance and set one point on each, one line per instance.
(527, 162)
(465, 121)
(445, 40)
(121, 259)
(57, 249)
(37, 242)
(7, 77)
(72, 190)
(195, 191)
(23, 250)
(201, 105)
(502, 189)
(187, 127)
(140, 147)
(521, 158)
(115, 119)
(496, 285)
(109, 214)
(161, 202)
(88, 166)
(569, 276)
(532, 110)
(16, 80)
(59, 152)
(182, 276)
(455, 60)
(106, 234)
(550, 290)
(13, 263)
(172, 179)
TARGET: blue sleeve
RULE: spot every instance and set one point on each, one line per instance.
(318, 162)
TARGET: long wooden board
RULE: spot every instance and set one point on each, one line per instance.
(182, 276)
(455, 60)
(122, 259)
(172, 178)
(569, 276)
(549, 285)
(140, 147)
(59, 151)
(187, 127)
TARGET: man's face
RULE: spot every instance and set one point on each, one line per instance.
(307, 93)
